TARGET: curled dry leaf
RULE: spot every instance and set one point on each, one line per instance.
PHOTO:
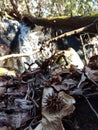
(69, 82)
(26, 120)
(4, 125)
(73, 58)
(59, 87)
(4, 71)
(5, 128)
(91, 74)
(65, 85)
(57, 78)
(93, 62)
(2, 90)
(54, 107)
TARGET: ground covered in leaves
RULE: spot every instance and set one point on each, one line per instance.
(21, 96)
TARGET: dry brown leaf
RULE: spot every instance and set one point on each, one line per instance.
(91, 74)
(4, 71)
(2, 90)
(54, 107)
(59, 87)
(73, 58)
(65, 85)
(4, 125)
(5, 128)
(57, 79)
(93, 62)
(69, 82)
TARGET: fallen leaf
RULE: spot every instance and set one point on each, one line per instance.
(5, 128)
(59, 87)
(26, 121)
(2, 90)
(93, 62)
(4, 125)
(69, 82)
(51, 118)
(91, 74)
(4, 71)
(65, 85)
(57, 78)
(73, 58)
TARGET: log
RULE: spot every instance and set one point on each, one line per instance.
(50, 41)
(61, 22)
(69, 23)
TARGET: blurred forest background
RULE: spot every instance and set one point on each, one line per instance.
(51, 8)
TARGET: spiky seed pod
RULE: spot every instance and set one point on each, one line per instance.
(54, 103)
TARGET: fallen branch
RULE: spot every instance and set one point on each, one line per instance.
(48, 42)
(19, 55)
(95, 112)
(76, 31)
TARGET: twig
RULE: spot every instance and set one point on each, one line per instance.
(14, 94)
(92, 94)
(18, 55)
(91, 106)
(84, 50)
(34, 102)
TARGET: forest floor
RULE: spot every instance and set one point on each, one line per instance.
(21, 96)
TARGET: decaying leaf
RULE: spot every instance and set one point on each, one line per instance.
(2, 90)
(59, 87)
(66, 84)
(4, 71)
(91, 74)
(57, 78)
(5, 128)
(4, 125)
(69, 83)
(26, 120)
(54, 107)
(73, 58)
(93, 62)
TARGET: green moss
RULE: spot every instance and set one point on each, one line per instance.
(94, 14)
(61, 18)
(54, 18)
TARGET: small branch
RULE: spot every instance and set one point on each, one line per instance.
(18, 55)
(76, 31)
(14, 94)
(91, 106)
(84, 50)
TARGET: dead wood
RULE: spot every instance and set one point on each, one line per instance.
(69, 23)
(50, 41)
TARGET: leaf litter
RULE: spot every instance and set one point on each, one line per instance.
(48, 97)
